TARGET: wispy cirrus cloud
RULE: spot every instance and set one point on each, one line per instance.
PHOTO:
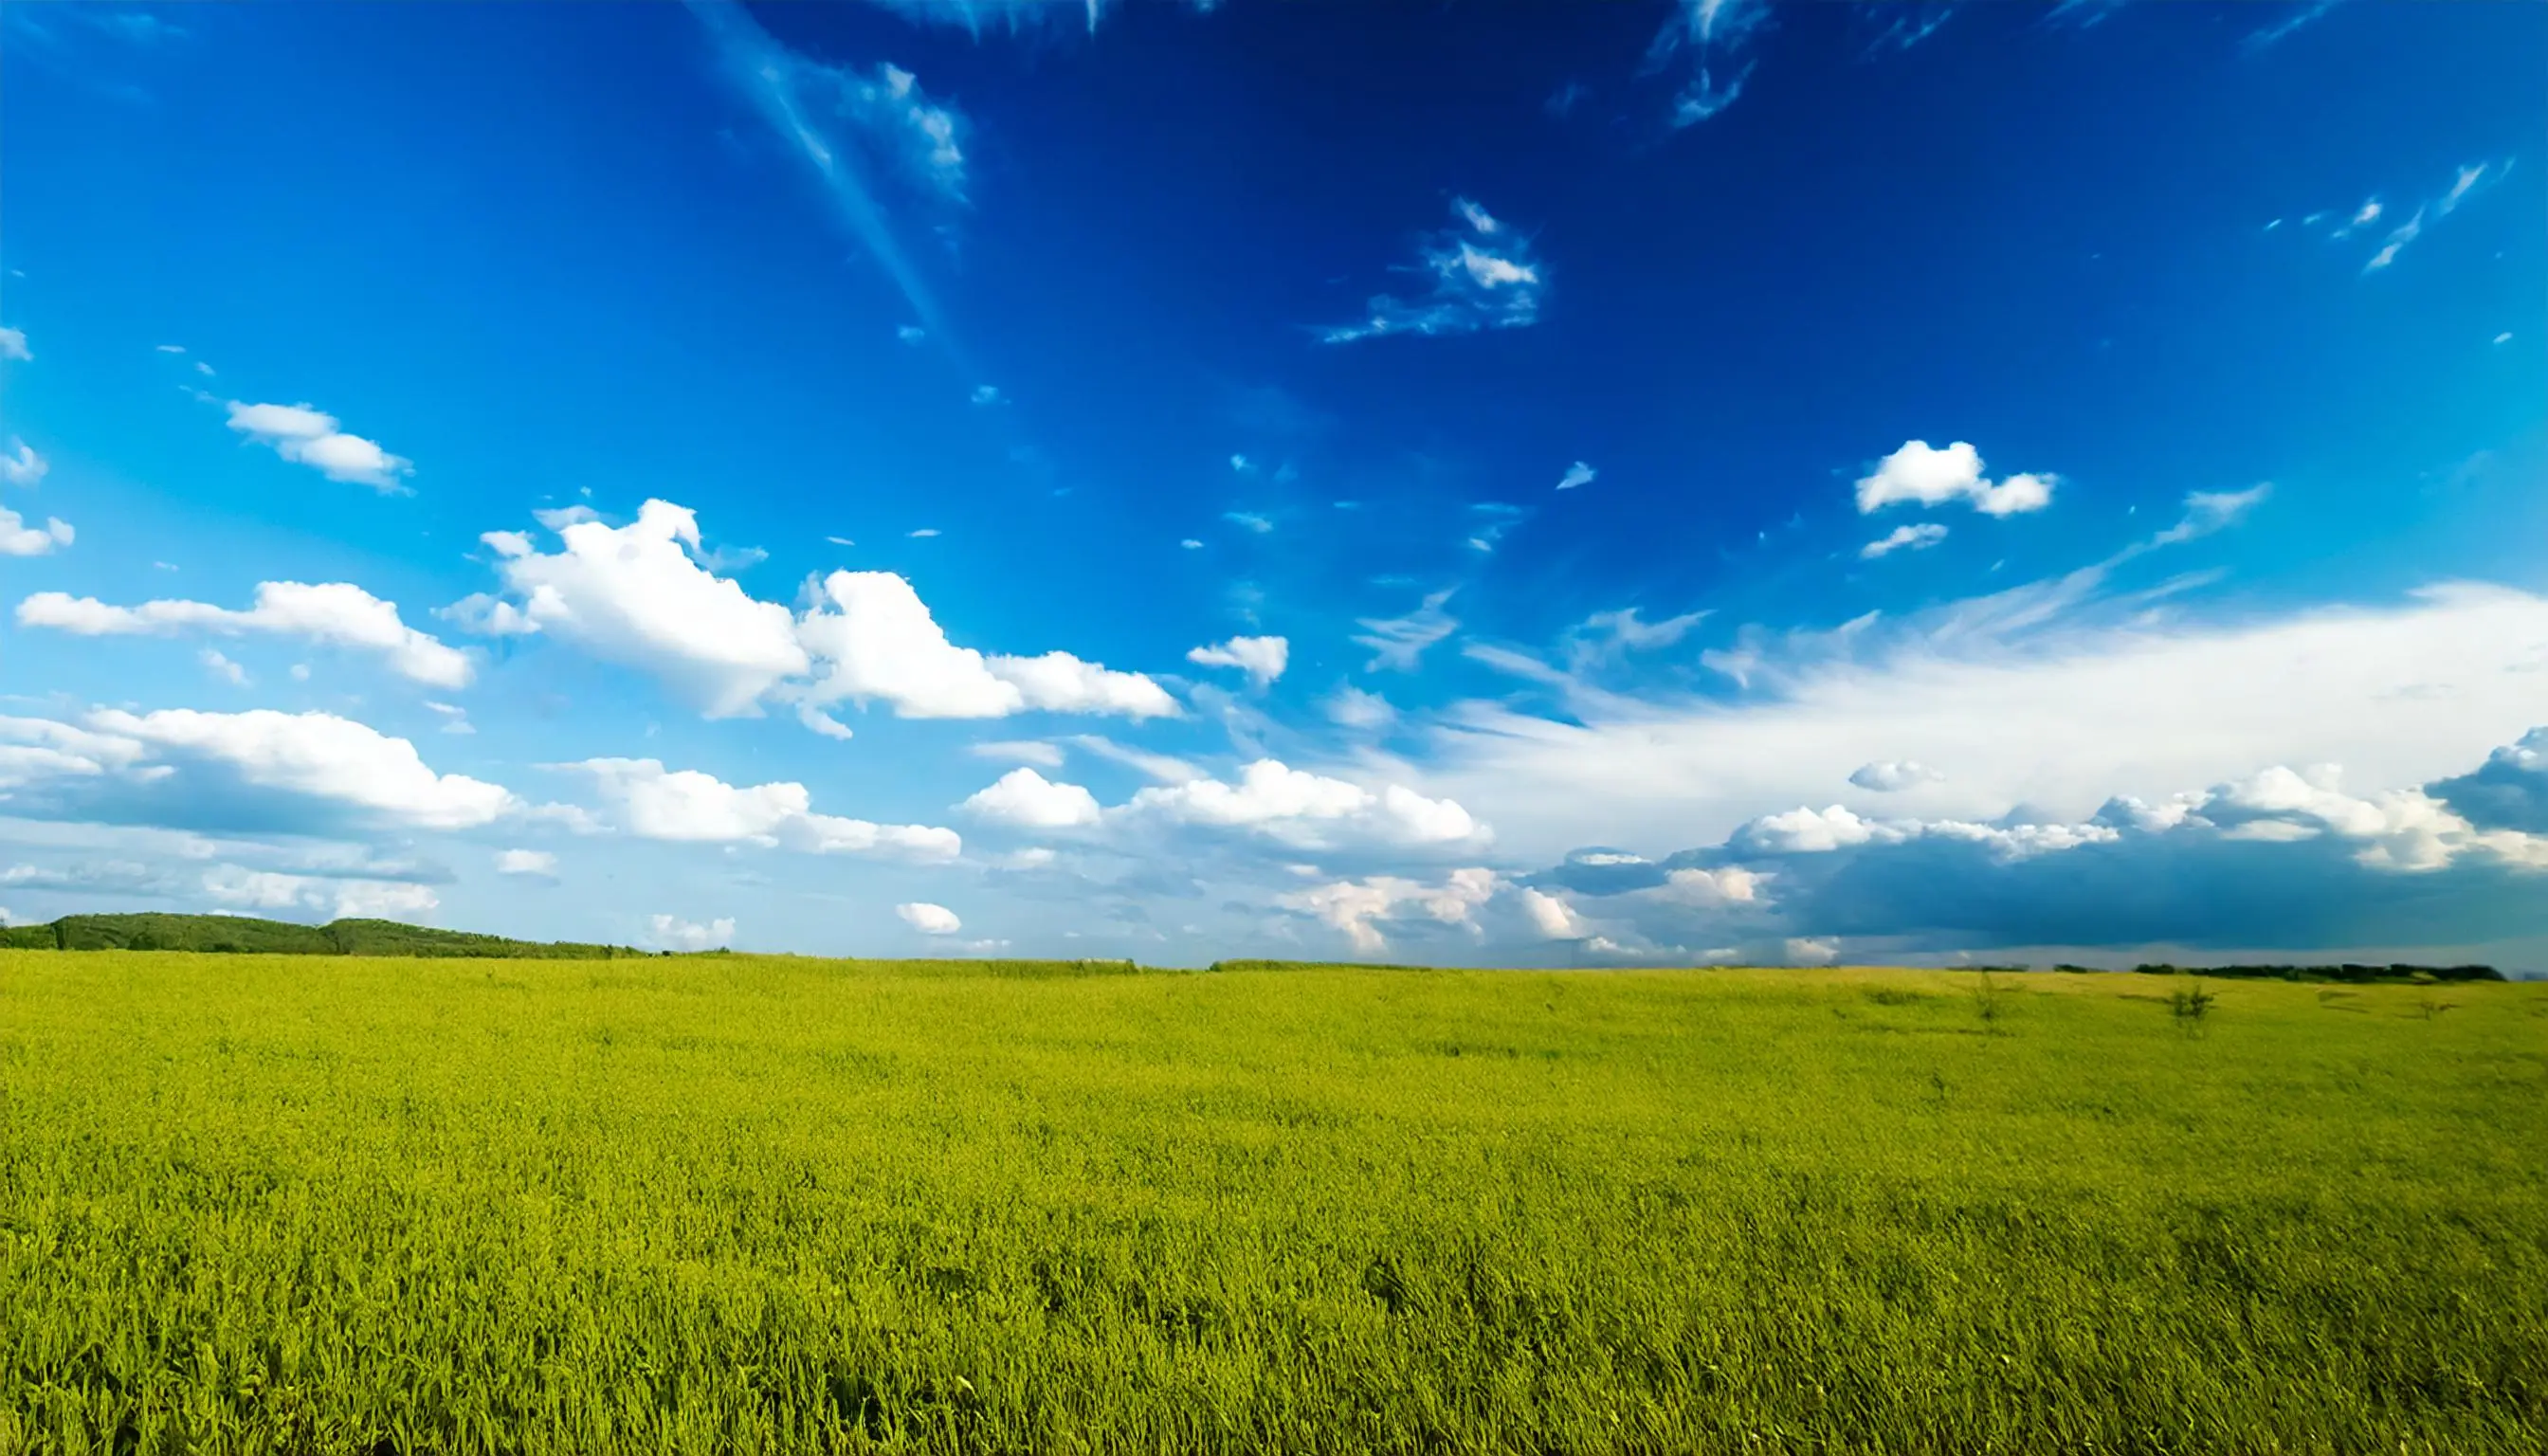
(2267, 36)
(1713, 39)
(1480, 274)
(845, 125)
(2466, 181)
(1399, 642)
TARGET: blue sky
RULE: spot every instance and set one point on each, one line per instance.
(1483, 484)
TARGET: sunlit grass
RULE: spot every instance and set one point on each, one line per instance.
(746, 1204)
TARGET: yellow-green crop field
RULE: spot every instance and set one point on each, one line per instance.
(734, 1204)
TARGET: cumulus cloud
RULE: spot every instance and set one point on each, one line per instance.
(336, 613)
(17, 538)
(1028, 799)
(223, 667)
(1479, 273)
(1922, 475)
(1892, 775)
(22, 466)
(1713, 39)
(1356, 907)
(529, 864)
(928, 919)
(877, 642)
(644, 799)
(13, 346)
(1552, 917)
(273, 891)
(2508, 792)
(672, 933)
(1578, 474)
(309, 437)
(2038, 696)
(1296, 807)
(637, 595)
(318, 755)
(1262, 659)
(2280, 859)
(1351, 707)
(1916, 538)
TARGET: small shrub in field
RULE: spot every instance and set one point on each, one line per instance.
(2190, 1005)
(1989, 1002)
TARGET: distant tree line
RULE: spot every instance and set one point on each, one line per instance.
(245, 935)
(2348, 972)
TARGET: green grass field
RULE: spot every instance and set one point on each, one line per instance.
(257, 1203)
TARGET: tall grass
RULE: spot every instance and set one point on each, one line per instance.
(770, 1205)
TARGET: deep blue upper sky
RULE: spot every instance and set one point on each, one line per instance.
(1169, 325)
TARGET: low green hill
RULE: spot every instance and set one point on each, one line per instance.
(244, 935)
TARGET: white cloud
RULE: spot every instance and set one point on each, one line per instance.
(1922, 475)
(987, 394)
(2505, 337)
(878, 641)
(2207, 511)
(2031, 697)
(686, 805)
(1191, 544)
(672, 933)
(337, 613)
(634, 595)
(1027, 799)
(1262, 659)
(1355, 907)
(2280, 858)
(17, 538)
(926, 135)
(308, 436)
(223, 667)
(318, 755)
(1917, 538)
(911, 333)
(1481, 275)
(1351, 707)
(367, 899)
(820, 722)
(1023, 751)
(924, 533)
(1247, 521)
(1298, 807)
(22, 466)
(1892, 775)
(530, 864)
(1552, 917)
(928, 919)
(1399, 642)
(1578, 474)
(2464, 181)
(848, 127)
(1719, 36)
(13, 346)
(2267, 36)
(1160, 767)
